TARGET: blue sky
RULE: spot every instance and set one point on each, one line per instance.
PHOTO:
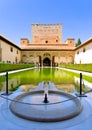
(16, 17)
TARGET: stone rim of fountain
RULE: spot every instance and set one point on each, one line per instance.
(21, 110)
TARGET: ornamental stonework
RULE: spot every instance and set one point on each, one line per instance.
(46, 47)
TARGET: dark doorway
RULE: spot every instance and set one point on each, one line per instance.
(46, 62)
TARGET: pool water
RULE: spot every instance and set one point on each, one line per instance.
(24, 81)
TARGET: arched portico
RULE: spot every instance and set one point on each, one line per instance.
(48, 58)
(46, 62)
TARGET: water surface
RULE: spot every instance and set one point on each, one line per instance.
(63, 80)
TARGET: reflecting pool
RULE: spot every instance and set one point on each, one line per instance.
(26, 80)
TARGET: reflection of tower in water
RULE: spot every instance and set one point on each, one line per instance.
(46, 74)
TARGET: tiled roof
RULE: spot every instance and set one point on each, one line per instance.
(8, 41)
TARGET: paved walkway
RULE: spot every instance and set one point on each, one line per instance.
(8, 121)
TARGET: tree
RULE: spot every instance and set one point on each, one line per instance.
(78, 42)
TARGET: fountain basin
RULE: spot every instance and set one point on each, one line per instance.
(61, 106)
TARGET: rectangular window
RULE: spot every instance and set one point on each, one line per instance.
(17, 51)
(77, 52)
(84, 49)
(11, 49)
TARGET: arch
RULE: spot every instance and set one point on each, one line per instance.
(70, 59)
(63, 59)
(46, 54)
(24, 56)
(46, 61)
(31, 56)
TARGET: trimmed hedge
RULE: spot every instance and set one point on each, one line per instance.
(81, 67)
(8, 67)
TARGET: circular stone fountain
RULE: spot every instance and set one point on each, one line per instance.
(60, 106)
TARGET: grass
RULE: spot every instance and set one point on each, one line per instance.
(81, 67)
(8, 67)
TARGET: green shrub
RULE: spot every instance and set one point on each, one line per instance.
(81, 67)
(8, 67)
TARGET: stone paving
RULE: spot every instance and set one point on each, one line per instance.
(8, 121)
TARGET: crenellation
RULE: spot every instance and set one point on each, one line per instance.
(24, 42)
(46, 48)
(70, 42)
(40, 31)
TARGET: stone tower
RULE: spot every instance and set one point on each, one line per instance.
(46, 33)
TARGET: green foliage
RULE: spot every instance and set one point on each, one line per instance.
(81, 67)
(8, 67)
(78, 42)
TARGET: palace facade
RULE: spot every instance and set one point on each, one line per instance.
(46, 48)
